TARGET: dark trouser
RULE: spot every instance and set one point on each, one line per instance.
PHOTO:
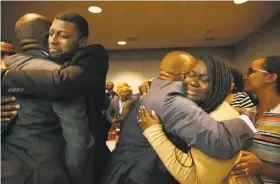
(88, 172)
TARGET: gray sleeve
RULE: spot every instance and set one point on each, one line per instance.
(76, 132)
(185, 119)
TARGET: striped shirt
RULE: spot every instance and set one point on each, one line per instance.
(242, 100)
(266, 146)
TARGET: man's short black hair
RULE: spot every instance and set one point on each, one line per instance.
(77, 19)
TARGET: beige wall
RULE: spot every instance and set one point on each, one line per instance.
(263, 42)
(134, 67)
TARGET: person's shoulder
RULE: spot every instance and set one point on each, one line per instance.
(95, 47)
(241, 95)
(177, 100)
(13, 61)
(276, 110)
(224, 112)
(95, 55)
(93, 50)
(17, 57)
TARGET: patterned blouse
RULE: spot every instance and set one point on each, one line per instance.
(266, 146)
(242, 100)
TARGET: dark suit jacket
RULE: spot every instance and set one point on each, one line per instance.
(113, 110)
(184, 122)
(85, 74)
(127, 108)
(108, 98)
(33, 141)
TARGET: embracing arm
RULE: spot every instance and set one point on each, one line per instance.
(194, 126)
(251, 165)
(194, 167)
(88, 69)
(167, 151)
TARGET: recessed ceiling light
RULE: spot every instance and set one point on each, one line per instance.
(121, 42)
(95, 9)
(240, 1)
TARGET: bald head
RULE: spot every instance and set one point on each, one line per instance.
(174, 63)
(32, 31)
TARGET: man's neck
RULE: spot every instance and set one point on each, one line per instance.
(37, 52)
(167, 76)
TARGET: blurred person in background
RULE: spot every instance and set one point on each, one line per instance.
(144, 88)
(237, 98)
(116, 105)
(109, 94)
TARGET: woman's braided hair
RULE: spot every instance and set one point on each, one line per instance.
(220, 82)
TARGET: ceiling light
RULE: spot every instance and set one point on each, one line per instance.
(240, 1)
(95, 9)
(121, 42)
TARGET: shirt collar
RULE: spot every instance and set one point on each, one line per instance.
(44, 52)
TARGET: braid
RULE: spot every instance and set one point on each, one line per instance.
(220, 82)
(272, 65)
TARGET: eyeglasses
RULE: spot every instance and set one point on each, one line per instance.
(253, 70)
(192, 74)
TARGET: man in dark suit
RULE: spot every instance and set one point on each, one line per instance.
(114, 110)
(135, 162)
(83, 74)
(109, 95)
(43, 119)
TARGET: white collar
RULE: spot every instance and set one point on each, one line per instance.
(45, 53)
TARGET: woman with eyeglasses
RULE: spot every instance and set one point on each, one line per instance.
(263, 158)
(207, 84)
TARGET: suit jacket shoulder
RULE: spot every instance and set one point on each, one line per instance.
(85, 74)
(24, 61)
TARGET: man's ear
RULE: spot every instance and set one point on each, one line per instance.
(271, 78)
(83, 42)
(183, 76)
